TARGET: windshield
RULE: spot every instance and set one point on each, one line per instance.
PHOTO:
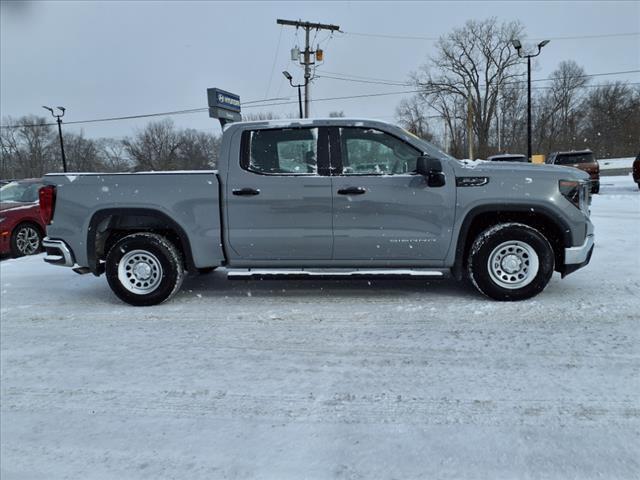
(20, 192)
(430, 149)
(573, 158)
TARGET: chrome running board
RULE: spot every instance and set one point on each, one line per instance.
(331, 272)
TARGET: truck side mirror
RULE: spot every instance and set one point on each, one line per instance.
(431, 168)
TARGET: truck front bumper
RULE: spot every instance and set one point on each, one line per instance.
(58, 253)
(577, 257)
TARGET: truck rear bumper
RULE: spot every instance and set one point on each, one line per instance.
(58, 253)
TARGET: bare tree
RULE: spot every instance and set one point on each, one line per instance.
(258, 116)
(512, 109)
(114, 155)
(82, 153)
(28, 148)
(558, 109)
(198, 150)
(155, 147)
(612, 121)
(411, 115)
(567, 85)
(476, 62)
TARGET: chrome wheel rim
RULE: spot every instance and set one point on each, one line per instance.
(513, 264)
(27, 240)
(140, 272)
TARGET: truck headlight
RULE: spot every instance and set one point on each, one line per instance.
(578, 193)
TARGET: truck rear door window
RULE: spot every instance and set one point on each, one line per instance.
(288, 151)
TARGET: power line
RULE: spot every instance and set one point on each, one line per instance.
(393, 36)
(586, 37)
(204, 109)
(372, 80)
(275, 60)
(360, 76)
(249, 104)
(432, 39)
(360, 80)
(354, 80)
(261, 104)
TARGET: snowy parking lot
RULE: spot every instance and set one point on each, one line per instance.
(320, 379)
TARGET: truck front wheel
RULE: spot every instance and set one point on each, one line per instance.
(144, 269)
(510, 261)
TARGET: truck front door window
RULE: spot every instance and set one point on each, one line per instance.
(283, 151)
(371, 152)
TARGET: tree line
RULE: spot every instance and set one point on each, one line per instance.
(476, 76)
(29, 150)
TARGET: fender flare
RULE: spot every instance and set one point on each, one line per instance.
(100, 215)
(551, 216)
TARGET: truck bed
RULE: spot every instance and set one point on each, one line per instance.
(189, 200)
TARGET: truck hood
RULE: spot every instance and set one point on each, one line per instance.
(493, 168)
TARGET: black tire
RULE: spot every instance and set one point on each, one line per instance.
(515, 243)
(158, 258)
(595, 189)
(26, 239)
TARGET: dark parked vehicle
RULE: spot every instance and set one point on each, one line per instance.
(582, 159)
(508, 157)
(636, 170)
(21, 227)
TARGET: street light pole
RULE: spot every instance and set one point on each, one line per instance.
(288, 76)
(518, 46)
(300, 99)
(529, 147)
(58, 118)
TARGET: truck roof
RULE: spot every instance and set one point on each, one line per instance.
(573, 152)
(506, 155)
(285, 122)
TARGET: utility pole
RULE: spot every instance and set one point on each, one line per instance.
(308, 26)
(498, 112)
(469, 123)
(59, 120)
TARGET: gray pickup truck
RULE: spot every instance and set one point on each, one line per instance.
(326, 196)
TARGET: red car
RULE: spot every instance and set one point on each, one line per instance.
(21, 228)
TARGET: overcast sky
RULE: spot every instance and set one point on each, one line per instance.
(105, 59)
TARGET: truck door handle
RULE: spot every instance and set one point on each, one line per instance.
(352, 191)
(246, 191)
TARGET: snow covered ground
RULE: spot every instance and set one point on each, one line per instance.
(616, 163)
(320, 379)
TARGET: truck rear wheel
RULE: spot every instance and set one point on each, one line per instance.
(510, 261)
(144, 269)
